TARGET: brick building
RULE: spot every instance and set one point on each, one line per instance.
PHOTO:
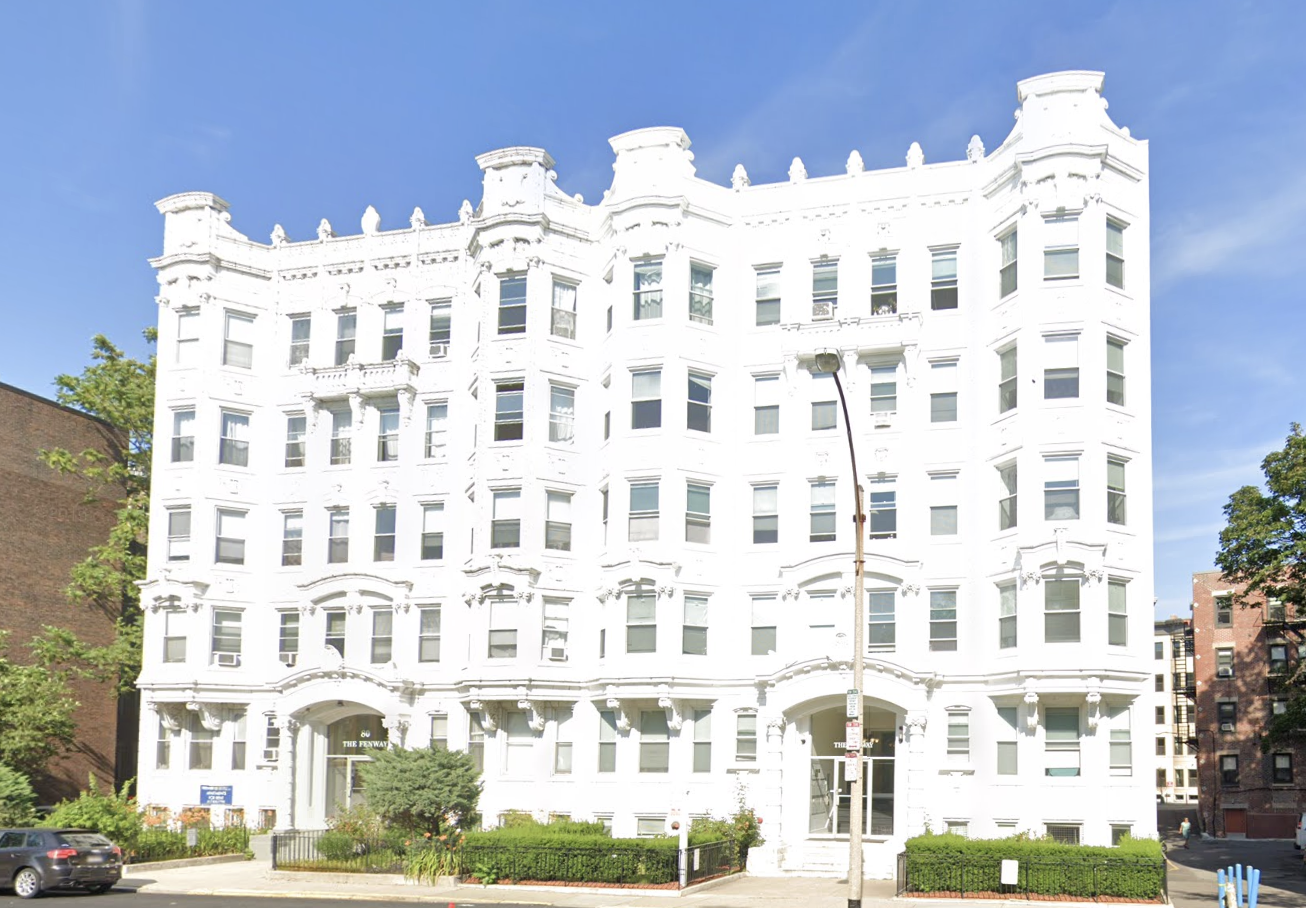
(1244, 655)
(48, 527)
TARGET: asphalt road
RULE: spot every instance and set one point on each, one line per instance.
(1191, 876)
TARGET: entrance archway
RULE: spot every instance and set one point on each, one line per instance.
(829, 788)
(350, 742)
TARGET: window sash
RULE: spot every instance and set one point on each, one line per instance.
(512, 305)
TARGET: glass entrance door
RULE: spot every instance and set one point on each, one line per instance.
(830, 796)
(349, 742)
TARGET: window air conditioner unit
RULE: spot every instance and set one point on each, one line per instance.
(270, 754)
(289, 659)
(822, 311)
(228, 660)
(558, 653)
(883, 420)
(1226, 726)
(1224, 673)
(439, 351)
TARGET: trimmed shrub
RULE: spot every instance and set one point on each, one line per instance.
(532, 853)
(112, 815)
(166, 845)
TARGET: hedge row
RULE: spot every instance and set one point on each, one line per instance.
(511, 854)
(166, 845)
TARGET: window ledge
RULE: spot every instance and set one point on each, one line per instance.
(744, 768)
(965, 769)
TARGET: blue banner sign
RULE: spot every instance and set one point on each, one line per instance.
(215, 794)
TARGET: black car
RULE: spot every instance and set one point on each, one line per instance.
(34, 860)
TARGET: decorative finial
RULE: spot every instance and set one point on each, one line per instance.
(739, 179)
(855, 163)
(324, 229)
(279, 237)
(371, 221)
(465, 212)
(975, 150)
(418, 219)
(797, 172)
(915, 157)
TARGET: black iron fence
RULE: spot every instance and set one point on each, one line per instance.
(327, 851)
(960, 875)
(708, 860)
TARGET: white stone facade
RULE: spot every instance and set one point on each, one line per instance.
(603, 420)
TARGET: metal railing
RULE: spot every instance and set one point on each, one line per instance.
(326, 851)
(712, 859)
(1036, 878)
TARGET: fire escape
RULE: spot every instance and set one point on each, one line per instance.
(1184, 689)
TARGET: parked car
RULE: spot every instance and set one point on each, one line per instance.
(35, 860)
(1301, 831)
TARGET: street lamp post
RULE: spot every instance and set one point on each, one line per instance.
(830, 362)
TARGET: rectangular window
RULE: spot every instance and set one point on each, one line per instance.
(271, 745)
(382, 635)
(188, 337)
(183, 436)
(766, 514)
(1275, 611)
(1277, 663)
(1159, 684)
(562, 315)
(288, 638)
(943, 621)
(387, 437)
(654, 741)
(1117, 614)
(1160, 747)
(641, 622)
(556, 627)
(437, 421)
(746, 738)
(822, 512)
(557, 521)
(700, 294)
(505, 525)
(392, 332)
(943, 391)
(1282, 769)
(1060, 248)
(1007, 737)
(233, 449)
(607, 740)
(1121, 744)
(509, 398)
(346, 331)
(292, 538)
(1006, 616)
(702, 719)
(883, 509)
(342, 431)
(519, 753)
(476, 740)
(764, 614)
(884, 390)
(334, 635)
(300, 326)
(238, 341)
(1115, 253)
(440, 328)
(562, 414)
(226, 636)
(163, 747)
(824, 415)
(179, 534)
(230, 538)
(562, 750)
(943, 507)
(383, 541)
(1226, 713)
(825, 289)
(296, 428)
(1007, 390)
(881, 631)
(1224, 611)
(1007, 496)
(1060, 367)
(440, 731)
(1115, 372)
(338, 536)
(174, 636)
(699, 416)
(428, 634)
(503, 628)
(768, 296)
(433, 531)
(698, 513)
(643, 512)
(943, 279)
(958, 738)
(884, 284)
(1158, 650)
(1115, 491)
(1063, 833)
(1229, 769)
(648, 290)
(1060, 610)
(693, 639)
(512, 305)
(1007, 271)
(766, 405)
(646, 399)
(1061, 488)
(201, 743)
(1160, 715)
(1062, 742)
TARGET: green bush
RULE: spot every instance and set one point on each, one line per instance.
(337, 845)
(113, 814)
(17, 799)
(166, 845)
(534, 853)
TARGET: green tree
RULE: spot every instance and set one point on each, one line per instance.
(1263, 547)
(36, 714)
(17, 799)
(429, 789)
(120, 391)
(112, 814)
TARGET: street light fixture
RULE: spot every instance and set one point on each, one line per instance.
(830, 363)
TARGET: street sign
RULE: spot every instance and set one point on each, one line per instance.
(853, 736)
(854, 710)
(852, 766)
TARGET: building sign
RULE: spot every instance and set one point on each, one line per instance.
(364, 741)
(211, 795)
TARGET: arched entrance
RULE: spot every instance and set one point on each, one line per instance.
(350, 742)
(829, 786)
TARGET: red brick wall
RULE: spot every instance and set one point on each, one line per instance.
(1252, 688)
(47, 527)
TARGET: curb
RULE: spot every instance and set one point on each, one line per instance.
(150, 866)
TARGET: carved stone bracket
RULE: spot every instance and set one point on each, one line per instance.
(623, 716)
(524, 595)
(1031, 707)
(846, 590)
(608, 592)
(790, 593)
(1030, 578)
(534, 713)
(1094, 701)
(397, 727)
(211, 714)
(489, 714)
(170, 714)
(916, 723)
(667, 590)
(911, 589)
(308, 608)
(1097, 575)
(675, 712)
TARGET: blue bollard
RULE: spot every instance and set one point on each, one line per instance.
(1253, 886)
(1219, 889)
(1239, 890)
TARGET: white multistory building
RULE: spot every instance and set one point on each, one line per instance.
(556, 483)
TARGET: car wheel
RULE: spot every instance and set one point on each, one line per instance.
(27, 883)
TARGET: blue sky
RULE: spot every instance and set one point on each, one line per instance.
(298, 111)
